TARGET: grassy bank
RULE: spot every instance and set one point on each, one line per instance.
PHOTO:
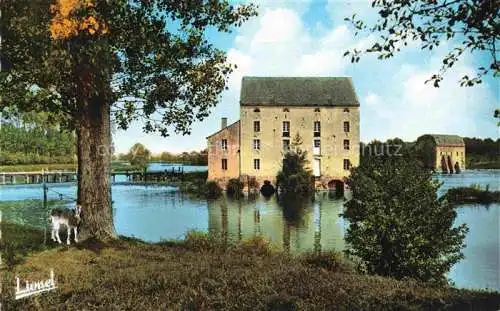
(204, 273)
(472, 194)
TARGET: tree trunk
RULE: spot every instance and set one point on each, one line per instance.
(94, 155)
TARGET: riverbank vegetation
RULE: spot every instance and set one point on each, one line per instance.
(234, 188)
(472, 194)
(399, 227)
(186, 158)
(482, 153)
(34, 138)
(203, 272)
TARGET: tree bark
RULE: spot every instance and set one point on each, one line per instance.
(94, 155)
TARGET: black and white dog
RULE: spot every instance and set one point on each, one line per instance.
(70, 218)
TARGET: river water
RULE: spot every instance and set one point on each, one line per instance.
(154, 213)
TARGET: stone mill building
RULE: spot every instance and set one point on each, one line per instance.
(445, 153)
(323, 111)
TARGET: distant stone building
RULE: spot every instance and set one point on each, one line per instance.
(442, 152)
(324, 111)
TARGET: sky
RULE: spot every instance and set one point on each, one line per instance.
(309, 38)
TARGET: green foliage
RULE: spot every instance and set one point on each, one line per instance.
(154, 63)
(391, 147)
(482, 153)
(212, 190)
(192, 158)
(468, 26)
(139, 155)
(267, 189)
(234, 187)
(27, 140)
(398, 226)
(294, 178)
(472, 194)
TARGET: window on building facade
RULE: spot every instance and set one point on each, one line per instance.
(224, 164)
(256, 110)
(317, 143)
(256, 126)
(346, 109)
(256, 164)
(286, 128)
(346, 144)
(256, 144)
(346, 127)
(316, 110)
(224, 144)
(286, 144)
(347, 164)
(317, 129)
(286, 110)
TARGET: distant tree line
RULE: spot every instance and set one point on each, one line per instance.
(480, 153)
(140, 155)
(193, 157)
(34, 139)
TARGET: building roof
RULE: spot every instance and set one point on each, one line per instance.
(447, 139)
(298, 91)
(232, 124)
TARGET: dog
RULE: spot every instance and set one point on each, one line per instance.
(70, 218)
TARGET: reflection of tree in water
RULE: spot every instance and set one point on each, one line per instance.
(294, 208)
(294, 224)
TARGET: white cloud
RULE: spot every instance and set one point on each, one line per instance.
(372, 99)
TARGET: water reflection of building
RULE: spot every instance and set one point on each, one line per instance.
(318, 225)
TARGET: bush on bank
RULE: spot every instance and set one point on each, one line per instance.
(234, 187)
(472, 194)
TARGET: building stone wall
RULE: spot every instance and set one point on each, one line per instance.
(457, 154)
(216, 153)
(301, 118)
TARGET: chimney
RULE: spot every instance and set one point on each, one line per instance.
(223, 123)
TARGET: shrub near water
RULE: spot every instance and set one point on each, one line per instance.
(234, 187)
(212, 190)
(473, 194)
(398, 226)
